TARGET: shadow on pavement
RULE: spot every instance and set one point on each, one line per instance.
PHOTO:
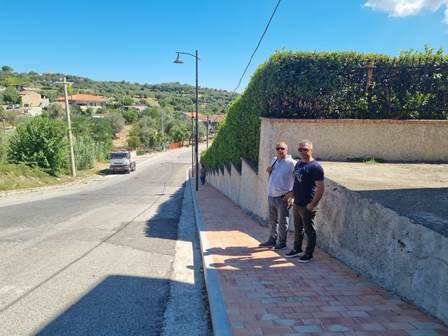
(104, 172)
(118, 305)
(165, 222)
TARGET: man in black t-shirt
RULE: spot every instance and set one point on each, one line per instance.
(307, 191)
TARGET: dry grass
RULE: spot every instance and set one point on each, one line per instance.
(152, 102)
(122, 138)
(14, 177)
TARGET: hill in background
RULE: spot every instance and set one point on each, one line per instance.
(179, 96)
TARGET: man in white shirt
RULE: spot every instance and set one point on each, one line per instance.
(281, 182)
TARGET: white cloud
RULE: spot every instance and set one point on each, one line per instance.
(407, 7)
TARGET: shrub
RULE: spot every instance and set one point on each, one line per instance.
(40, 142)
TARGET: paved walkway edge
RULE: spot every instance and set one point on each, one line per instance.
(220, 320)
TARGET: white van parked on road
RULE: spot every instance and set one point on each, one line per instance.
(122, 161)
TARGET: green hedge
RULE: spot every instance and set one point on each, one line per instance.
(310, 85)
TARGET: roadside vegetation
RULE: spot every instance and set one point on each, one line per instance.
(34, 150)
(21, 176)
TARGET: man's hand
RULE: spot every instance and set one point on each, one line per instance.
(320, 188)
(290, 202)
(287, 196)
(310, 207)
(269, 169)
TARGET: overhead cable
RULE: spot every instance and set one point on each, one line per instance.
(259, 42)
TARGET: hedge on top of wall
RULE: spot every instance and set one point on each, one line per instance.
(332, 85)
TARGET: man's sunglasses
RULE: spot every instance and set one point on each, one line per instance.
(280, 148)
(304, 149)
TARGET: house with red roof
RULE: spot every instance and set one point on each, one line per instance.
(84, 101)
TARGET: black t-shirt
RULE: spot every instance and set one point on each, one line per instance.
(306, 174)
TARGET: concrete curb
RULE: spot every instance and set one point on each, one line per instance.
(186, 306)
(220, 320)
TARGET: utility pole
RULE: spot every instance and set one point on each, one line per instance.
(206, 132)
(163, 132)
(196, 145)
(69, 124)
(4, 119)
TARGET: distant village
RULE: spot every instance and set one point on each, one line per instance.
(33, 102)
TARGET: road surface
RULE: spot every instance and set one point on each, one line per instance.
(103, 258)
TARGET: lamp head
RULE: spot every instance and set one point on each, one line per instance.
(178, 60)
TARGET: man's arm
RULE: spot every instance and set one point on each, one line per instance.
(320, 188)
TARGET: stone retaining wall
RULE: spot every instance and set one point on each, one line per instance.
(341, 139)
(395, 252)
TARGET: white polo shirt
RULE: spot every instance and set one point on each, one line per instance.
(281, 179)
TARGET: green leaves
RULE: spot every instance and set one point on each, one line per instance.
(41, 142)
(332, 85)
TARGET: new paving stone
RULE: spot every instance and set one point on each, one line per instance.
(267, 294)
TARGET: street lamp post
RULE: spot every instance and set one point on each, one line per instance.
(179, 61)
(192, 143)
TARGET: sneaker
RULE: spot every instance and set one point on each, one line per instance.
(293, 254)
(305, 258)
(279, 246)
(266, 244)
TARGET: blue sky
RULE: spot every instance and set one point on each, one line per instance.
(136, 40)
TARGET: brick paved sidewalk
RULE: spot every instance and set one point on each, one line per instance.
(266, 294)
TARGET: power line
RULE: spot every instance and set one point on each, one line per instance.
(259, 42)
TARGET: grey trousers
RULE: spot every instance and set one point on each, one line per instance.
(278, 212)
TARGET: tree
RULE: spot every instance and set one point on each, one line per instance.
(130, 115)
(70, 89)
(133, 139)
(150, 137)
(127, 101)
(81, 125)
(50, 94)
(116, 121)
(101, 131)
(152, 112)
(11, 96)
(178, 130)
(41, 142)
(55, 111)
(7, 68)
(202, 130)
(178, 133)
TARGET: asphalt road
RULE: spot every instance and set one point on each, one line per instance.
(103, 258)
